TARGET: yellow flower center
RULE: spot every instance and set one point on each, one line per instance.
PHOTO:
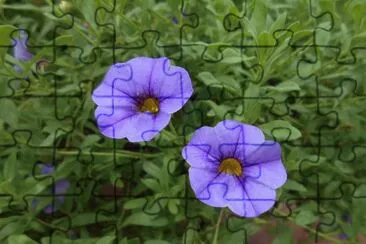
(149, 105)
(230, 166)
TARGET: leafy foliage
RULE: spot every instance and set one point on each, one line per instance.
(310, 99)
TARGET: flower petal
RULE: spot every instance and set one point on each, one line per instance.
(207, 192)
(47, 169)
(222, 190)
(20, 48)
(49, 209)
(258, 199)
(272, 174)
(238, 139)
(266, 152)
(119, 78)
(142, 69)
(109, 120)
(171, 84)
(107, 95)
(202, 150)
(145, 126)
(128, 123)
(61, 186)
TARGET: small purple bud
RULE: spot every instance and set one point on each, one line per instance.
(20, 48)
(60, 188)
(343, 236)
(47, 169)
(347, 219)
(175, 20)
(21, 53)
(49, 209)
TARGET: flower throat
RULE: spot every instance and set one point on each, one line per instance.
(149, 105)
(230, 166)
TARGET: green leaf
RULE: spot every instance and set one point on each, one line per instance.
(6, 221)
(281, 130)
(12, 228)
(190, 235)
(64, 40)
(20, 239)
(305, 217)
(90, 140)
(5, 38)
(232, 56)
(152, 184)
(8, 112)
(231, 82)
(86, 218)
(286, 86)
(67, 89)
(173, 206)
(143, 219)
(360, 191)
(259, 17)
(252, 108)
(156, 242)
(295, 186)
(7, 187)
(10, 166)
(135, 203)
(265, 39)
(344, 167)
(219, 111)
(279, 23)
(208, 79)
(106, 240)
(152, 169)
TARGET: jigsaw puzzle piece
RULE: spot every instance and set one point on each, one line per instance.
(18, 64)
(20, 98)
(226, 18)
(154, 28)
(144, 197)
(74, 29)
(36, 205)
(341, 14)
(251, 25)
(114, 188)
(31, 66)
(344, 219)
(258, 82)
(52, 127)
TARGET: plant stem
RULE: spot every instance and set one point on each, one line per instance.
(218, 226)
(52, 226)
(121, 153)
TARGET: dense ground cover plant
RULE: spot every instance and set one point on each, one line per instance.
(310, 100)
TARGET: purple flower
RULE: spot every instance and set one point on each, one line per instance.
(61, 187)
(136, 98)
(175, 20)
(343, 236)
(20, 49)
(348, 220)
(232, 165)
